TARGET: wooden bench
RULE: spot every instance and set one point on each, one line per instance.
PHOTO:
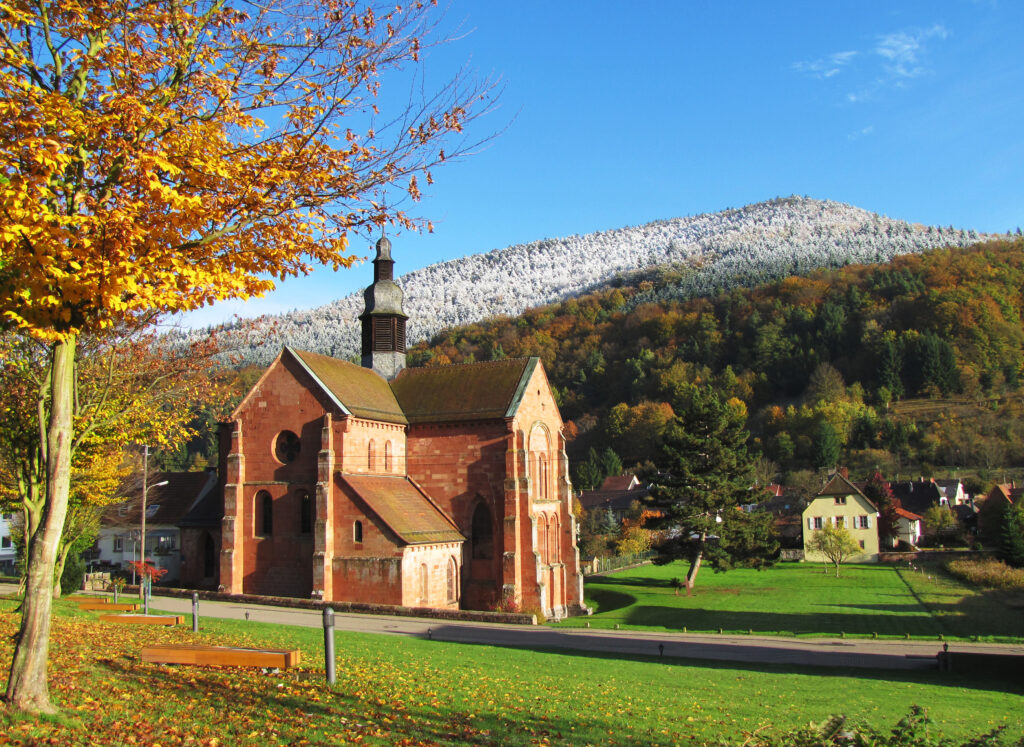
(220, 656)
(144, 619)
(108, 606)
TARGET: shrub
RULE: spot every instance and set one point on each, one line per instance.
(989, 573)
(913, 730)
(74, 572)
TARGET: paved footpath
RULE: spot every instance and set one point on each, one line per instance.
(826, 652)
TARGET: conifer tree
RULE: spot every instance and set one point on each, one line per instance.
(704, 478)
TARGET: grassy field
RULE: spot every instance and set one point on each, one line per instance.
(798, 599)
(396, 690)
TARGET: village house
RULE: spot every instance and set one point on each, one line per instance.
(8, 552)
(615, 496)
(442, 487)
(909, 527)
(841, 503)
(169, 498)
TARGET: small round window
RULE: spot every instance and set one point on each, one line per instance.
(287, 447)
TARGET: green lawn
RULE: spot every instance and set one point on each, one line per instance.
(398, 690)
(798, 599)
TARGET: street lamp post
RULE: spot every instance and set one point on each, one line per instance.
(142, 534)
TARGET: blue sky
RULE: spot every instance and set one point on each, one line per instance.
(617, 114)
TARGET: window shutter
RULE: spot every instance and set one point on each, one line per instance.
(867, 522)
(810, 523)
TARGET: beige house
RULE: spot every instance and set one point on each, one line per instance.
(841, 503)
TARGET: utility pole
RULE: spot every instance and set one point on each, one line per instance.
(145, 490)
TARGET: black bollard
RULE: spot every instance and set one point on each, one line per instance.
(329, 645)
(195, 611)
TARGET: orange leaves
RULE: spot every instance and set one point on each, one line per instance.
(185, 155)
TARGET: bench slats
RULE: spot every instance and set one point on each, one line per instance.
(220, 656)
(144, 619)
(108, 606)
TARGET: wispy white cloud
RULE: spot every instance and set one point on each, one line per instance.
(825, 67)
(903, 51)
(890, 62)
(862, 132)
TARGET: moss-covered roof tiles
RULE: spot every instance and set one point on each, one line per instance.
(404, 508)
(360, 391)
(471, 391)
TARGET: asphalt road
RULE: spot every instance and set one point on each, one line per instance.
(823, 652)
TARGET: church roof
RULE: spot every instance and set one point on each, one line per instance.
(404, 508)
(468, 391)
(356, 390)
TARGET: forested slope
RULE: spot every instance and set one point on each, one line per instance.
(711, 253)
(913, 363)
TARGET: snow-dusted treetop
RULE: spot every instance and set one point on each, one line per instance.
(741, 246)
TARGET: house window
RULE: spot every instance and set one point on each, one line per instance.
(264, 514)
(387, 456)
(840, 521)
(817, 523)
(542, 538)
(863, 522)
(305, 513)
(840, 500)
(357, 532)
(371, 456)
(5, 542)
(164, 544)
(118, 544)
(861, 543)
(287, 447)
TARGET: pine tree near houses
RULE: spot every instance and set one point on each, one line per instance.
(704, 479)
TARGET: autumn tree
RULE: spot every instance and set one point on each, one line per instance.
(703, 479)
(159, 156)
(877, 490)
(834, 543)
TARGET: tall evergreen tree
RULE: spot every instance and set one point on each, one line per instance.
(1011, 538)
(704, 477)
(826, 447)
(611, 465)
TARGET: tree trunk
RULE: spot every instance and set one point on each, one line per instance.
(58, 568)
(691, 575)
(26, 687)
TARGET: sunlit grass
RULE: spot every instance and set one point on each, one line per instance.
(800, 599)
(404, 690)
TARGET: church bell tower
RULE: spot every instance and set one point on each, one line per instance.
(383, 321)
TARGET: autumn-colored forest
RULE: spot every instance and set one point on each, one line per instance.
(914, 365)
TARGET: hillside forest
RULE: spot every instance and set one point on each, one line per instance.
(914, 366)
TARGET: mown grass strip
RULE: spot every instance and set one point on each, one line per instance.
(398, 690)
(800, 599)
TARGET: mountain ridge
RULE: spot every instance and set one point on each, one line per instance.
(729, 248)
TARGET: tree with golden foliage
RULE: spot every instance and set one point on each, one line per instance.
(159, 156)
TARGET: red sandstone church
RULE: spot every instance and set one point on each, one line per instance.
(443, 487)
